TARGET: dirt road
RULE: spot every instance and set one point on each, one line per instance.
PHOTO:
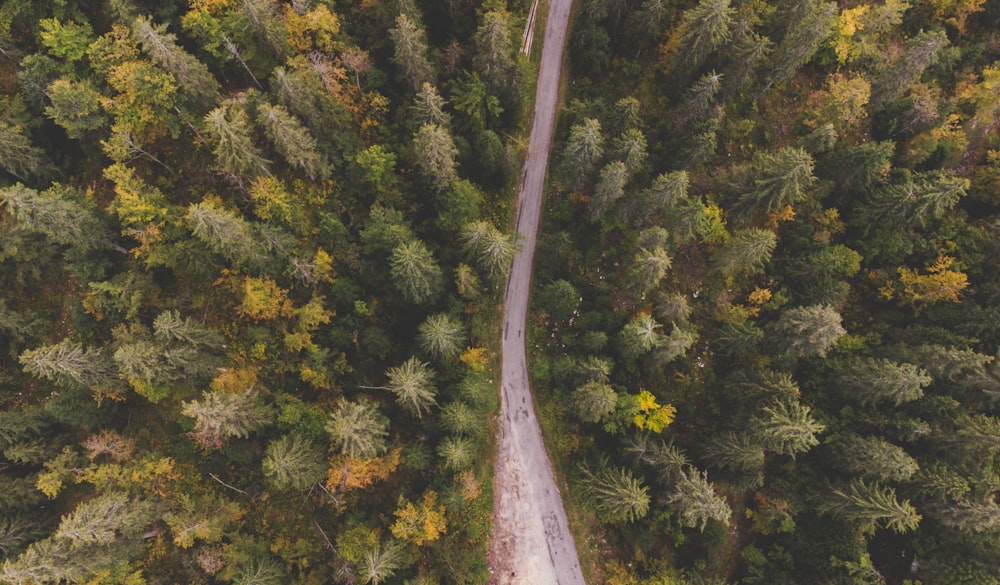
(531, 544)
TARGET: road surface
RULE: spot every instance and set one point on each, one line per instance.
(531, 544)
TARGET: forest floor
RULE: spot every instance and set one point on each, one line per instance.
(532, 544)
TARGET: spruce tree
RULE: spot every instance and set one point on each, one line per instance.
(358, 429)
(868, 507)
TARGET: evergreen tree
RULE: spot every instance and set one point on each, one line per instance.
(559, 299)
(915, 203)
(630, 148)
(412, 383)
(292, 140)
(106, 518)
(428, 105)
(786, 427)
(457, 453)
(874, 381)
(706, 28)
(609, 189)
(219, 416)
(410, 52)
(460, 418)
(698, 99)
(17, 155)
(776, 180)
(695, 501)
(616, 495)
(191, 74)
(736, 452)
(639, 336)
(584, 148)
(920, 52)
(810, 22)
(67, 362)
(594, 400)
(808, 331)
(869, 506)
(873, 458)
(415, 272)
(441, 336)
(56, 214)
(492, 250)
(358, 429)
(230, 131)
(648, 269)
(171, 327)
(493, 52)
(293, 462)
(673, 346)
(434, 154)
(748, 251)
(381, 561)
(250, 246)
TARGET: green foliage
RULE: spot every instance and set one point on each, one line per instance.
(293, 462)
(616, 495)
(358, 429)
(415, 272)
(869, 506)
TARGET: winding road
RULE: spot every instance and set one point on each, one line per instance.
(532, 544)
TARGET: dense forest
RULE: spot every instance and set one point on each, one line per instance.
(250, 254)
(767, 303)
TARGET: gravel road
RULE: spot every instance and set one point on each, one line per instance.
(531, 544)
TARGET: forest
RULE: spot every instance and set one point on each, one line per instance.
(253, 254)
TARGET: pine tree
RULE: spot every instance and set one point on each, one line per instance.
(630, 148)
(491, 249)
(358, 429)
(873, 381)
(594, 400)
(441, 336)
(609, 189)
(192, 75)
(616, 495)
(428, 105)
(292, 140)
(493, 52)
(786, 427)
(694, 499)
(808, 331)
(171, 327)
(230, 130)
(17, 155)
(810, 22)
(584, 148)
(68, 363)
(868, 507)
(706, 28)
(649, 267)
(410, 52)
(412, 383)
(415, 272)
(457, 453)
(219, 416)
(873, 458)
(776, 180)
(639, 336)
(434, 154)
(106, 518)
(56, 214)
(747, 252)
(461, 419)
(294, 462)
(920, 52)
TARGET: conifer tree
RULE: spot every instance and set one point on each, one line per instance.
(639, 336)
(192, 75)
(292, 140)
(706, 28)
(594, 400)
(230, 131)
(868, 507)
(493, 51)
(920, 52)
(57, 215)
(428, 105)
(293, 462)
(410, 52)
(434, 154)
(17, 155)
(617, 496)
(609, 189)
(68, 362)
(873, 381)
(415, 272)
(412, 383)
(491, 249)
(810, 22)
(776, 180)
(748, 251)
(584, 148)
(457, 453)
(873, 458)
(808, 331)
(441, 336)
(786, 427)
(218, 416)
(694, 499)
(358, 429)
